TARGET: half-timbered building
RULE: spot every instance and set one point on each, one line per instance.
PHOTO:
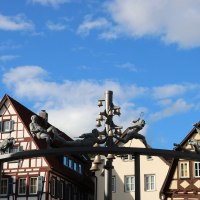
(46, 178)
(183, 178)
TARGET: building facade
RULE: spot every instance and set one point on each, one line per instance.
(152, 175)
(44, 178)
(183, 179)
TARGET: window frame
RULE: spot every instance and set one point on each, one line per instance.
(4, 186)
(113, 183)
(35, 186)
(6, 126)
(196, 169)
(125, 157)
(148, 183)
(23, 186)
(128, 184)
(60, 189)
(53, 183)
(184, 169)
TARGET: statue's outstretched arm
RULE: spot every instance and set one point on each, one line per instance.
(134, 121)
(124, 140)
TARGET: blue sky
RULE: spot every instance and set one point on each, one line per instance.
(61, 55)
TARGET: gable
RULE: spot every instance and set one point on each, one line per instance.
(181, 176)
(12, 125)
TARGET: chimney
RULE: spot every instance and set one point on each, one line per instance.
(43, 114)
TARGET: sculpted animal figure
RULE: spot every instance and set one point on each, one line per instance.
(8, 142)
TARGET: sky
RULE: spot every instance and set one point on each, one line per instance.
(62, 55)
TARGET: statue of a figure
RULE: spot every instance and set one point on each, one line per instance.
(197, 128)
(56, 135)
(8, 142)
(192, 142)
(195, 144)
(38, 131)
(89, 139)
(132, 132)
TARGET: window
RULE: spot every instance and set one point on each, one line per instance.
(6, 126)
(80, 169)
(197, 169)
(22, 186)
(70, 164)
(113, 184)
(53, 187)
(149, 181)
(75, 166)
(14, 149)
(4, 186)
(65, 161)
(60, 189)
(125, 157)
(129, 183)
(128, 157)
(33, 185)
(184, 169)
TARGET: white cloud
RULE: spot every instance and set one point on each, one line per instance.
(89, 24)
(72, 105)
(55, 26)
(54, 3)
(179, 106)
(15, 23)
(173, 21)
(8, 45)
(6, 58)
(129, 66)
(172, 90)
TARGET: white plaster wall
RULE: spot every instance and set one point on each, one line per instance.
(122, 168)
(11, 110)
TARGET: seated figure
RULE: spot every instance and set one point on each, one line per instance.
(38, 131)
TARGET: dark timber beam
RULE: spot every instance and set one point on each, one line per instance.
(101, 151)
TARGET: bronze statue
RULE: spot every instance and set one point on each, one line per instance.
(132, 132)
(195, 144)
(192, 142)
(38, 131)
(88, 139)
